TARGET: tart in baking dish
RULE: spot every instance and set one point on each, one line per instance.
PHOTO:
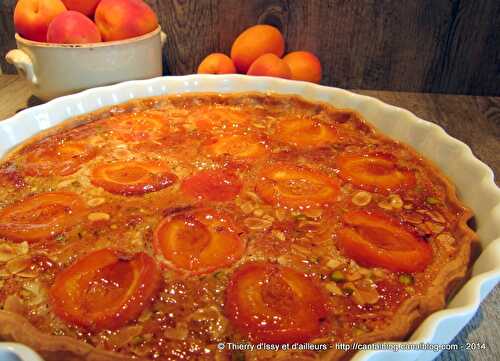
(177, 227)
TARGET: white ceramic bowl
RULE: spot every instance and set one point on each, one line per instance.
(473, 179)
(60, 69)
(11, 351)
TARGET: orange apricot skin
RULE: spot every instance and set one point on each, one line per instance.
(304, 66)
(86, 7)
(69, 293)
(124, 19)
(32, 17)
(270, 65)
(254, 42)
(72, 27)
(217, 63)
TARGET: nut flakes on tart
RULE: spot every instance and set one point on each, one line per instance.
(159, 228)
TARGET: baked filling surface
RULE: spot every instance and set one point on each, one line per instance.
(162, 227)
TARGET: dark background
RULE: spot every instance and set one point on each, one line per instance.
(442, 46)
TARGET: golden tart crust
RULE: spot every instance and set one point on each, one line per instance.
(191, 134)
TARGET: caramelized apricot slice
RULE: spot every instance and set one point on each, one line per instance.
(133, 177)
(199, 242)
(42, 216)
(141, 126)
(105, 289)
(214, 185)
(291, 186)
(236, 145)
(376, 240)
(374, 172)
(274, 304)
(208, 117)
(60, 158)
(305, 133)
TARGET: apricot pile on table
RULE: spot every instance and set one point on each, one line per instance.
(83, 21)
(259, 51)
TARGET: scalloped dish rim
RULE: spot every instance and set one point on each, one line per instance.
(452, 156)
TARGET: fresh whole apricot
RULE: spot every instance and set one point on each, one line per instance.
(304, 66)
(86, 7)
(254, 42)
(72, 27)
(217, 63)
(123, 19)
(32, 17)
(270, 65)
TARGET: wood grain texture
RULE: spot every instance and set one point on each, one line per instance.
(472, 119)
(439, 46)
(7, 41)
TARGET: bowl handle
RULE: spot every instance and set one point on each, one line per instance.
(163, 38)
(23, 64)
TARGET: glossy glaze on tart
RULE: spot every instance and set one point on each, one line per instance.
(159, 228)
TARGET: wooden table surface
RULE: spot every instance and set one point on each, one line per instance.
(474, 120)
(421, 46)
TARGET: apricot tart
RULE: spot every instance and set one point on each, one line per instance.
(171, 228)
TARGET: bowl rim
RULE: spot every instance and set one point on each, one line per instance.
(39, 44)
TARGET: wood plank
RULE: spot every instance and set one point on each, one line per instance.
(457, 64)
(7, 41)
(424, 46)
(15, 95)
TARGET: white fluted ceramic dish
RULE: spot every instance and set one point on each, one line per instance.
(473, 179)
